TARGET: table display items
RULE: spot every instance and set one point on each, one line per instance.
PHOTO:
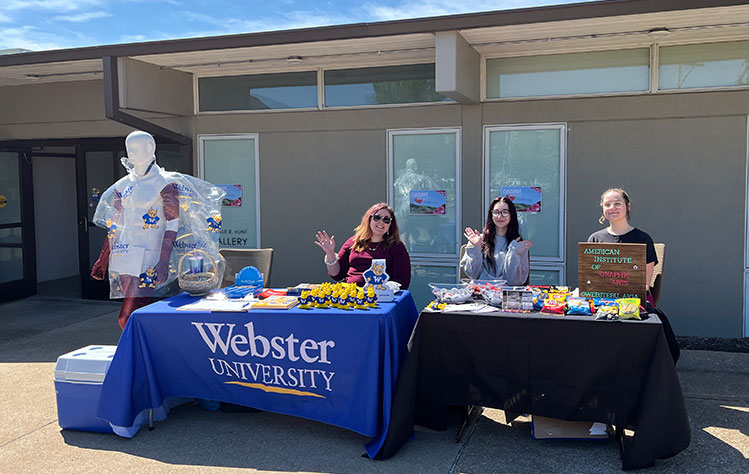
(346, 296)
(193, 279)
(491, 296)
(154, 218)
(376, 277)
(451, 293)
(517, 299)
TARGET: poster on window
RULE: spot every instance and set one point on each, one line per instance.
(427, 202)
(525, 198)
(233, 196)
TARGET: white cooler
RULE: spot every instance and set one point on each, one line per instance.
(78, 379)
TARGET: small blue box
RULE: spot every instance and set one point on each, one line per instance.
(78, 379)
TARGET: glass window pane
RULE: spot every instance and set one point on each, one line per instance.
(545, 277)
(11, 264)
(289, 90)
(567, 74)
(425, 161)
(230, 163)
(422, 275)
(10, 188)
(10, 236)
(169, 157)
(704, 65)
(381, 85)
(530, 158)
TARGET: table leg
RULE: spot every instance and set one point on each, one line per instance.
(467, 411)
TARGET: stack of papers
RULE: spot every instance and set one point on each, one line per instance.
(232, 306)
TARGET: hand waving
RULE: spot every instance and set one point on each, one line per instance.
(325, 242)
(473, 236)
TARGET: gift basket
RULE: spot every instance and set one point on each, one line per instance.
(201, 282)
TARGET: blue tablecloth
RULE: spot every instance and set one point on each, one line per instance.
(338, 367)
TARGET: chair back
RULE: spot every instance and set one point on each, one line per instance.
(657, 281)
(461, 273)
(237, 259)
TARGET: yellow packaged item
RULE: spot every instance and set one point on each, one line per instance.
(629, 308)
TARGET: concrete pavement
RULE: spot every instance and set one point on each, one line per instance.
(34, 331)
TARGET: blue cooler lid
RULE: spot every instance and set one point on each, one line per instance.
(87, 364)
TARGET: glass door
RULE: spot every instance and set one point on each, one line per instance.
(424, 191)
(17, 255)
(97, 168)
(527, 163)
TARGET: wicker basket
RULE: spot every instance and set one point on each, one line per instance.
(198, 283)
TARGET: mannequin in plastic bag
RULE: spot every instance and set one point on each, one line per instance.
(153, 218)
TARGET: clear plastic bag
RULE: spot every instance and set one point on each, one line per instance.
(142, 214)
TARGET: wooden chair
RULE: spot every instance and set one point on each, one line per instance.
(237, 259)
(657, 282)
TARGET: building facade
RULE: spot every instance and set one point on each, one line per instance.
(308, 128)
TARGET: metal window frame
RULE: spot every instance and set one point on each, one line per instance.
(202, 138)
(391, 133)
(562, 128)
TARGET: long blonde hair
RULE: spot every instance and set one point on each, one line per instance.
(363, 233)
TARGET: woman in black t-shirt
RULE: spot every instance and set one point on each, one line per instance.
(616, 208)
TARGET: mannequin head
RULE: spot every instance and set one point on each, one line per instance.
(141, 148)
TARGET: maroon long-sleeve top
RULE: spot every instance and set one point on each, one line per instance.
(353, 264)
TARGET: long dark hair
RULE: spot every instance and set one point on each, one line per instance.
(490, 229)
(363, 233)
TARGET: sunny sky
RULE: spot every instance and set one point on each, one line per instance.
(53, 24)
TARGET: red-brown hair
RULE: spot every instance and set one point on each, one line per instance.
(363, 233)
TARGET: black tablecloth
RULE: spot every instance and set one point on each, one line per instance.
(570, 367)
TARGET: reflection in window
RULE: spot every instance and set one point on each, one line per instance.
(531, 157)
(567, 74)
(381, 85)
(425, 162)
(704, 65)
(11, 264)
(290, 90)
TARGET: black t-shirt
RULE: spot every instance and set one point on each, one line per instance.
(634, 236)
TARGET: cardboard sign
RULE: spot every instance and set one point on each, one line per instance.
(611, 270)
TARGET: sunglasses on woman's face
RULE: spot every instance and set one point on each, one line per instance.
(378, 218)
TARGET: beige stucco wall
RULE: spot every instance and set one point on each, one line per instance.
(682, 157)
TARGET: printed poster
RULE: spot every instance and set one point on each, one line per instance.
(233, 196)
(525, 198)
(427, 202)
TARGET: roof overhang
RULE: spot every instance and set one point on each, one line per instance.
(602, 25)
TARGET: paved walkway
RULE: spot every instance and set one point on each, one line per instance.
(34, 331)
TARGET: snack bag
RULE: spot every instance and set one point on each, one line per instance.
(598, 302)
(555, 303)
(629, 308)
(608, 312)
(577, 305)
(539, 295)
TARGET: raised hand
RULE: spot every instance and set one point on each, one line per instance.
(473, 236)
(325, 242)
(523, 245)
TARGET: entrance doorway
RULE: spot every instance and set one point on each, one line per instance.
(17, 250)
(46, 216)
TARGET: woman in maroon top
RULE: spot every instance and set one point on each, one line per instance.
(376, 237)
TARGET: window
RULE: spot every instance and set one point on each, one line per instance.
(381, 85)
(528, 162)
(568, 74)
(704, 65)
(292, 90)
(230, 162)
